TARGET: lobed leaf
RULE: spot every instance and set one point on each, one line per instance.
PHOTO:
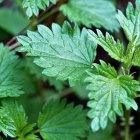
(131, 22)
(33, 6)
(17, 114)
(114, 48)
(131, 26)
(10, 79)
(6, 124)
(59, 121)
(108, 92)
(64, 53)
(97, 13)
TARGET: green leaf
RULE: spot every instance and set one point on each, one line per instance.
(113, 1)
(10, 78)
(59, 121)
(136, 57)
(32, 104)
(131, 26)
(114, 48)
(29, 86)
(6, 124)
(37, 71)
(105, 134)
(108, 91)
(10, 22)
(64, 53)
(17, 113)
(29, 137)
(131, 22)
(1, 1)
(33, 6)
(98, 13)
(59, 85)
(81, 91)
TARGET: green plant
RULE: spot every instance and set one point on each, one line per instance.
(66, 54)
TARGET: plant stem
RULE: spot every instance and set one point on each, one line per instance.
(41, 18)
(65, 92)
(14, 46)
(127, 124)
(127, 112)
(14, 38)
(45, 16)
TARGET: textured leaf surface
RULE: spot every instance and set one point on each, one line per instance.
(131, 22)
(6, 124)
(13, 17)
(108, 92)
(136, 57)
(114, 48)
(64, 53)
(17, 114)
(98, 13)
(10, 79)
(59, 121)
(33, 6)
(131, 26)
(29, 137)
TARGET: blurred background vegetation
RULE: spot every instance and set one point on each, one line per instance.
(41, 89)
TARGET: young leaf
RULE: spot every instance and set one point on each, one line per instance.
(98, 13)
(131, 22)
(114, 49)
(59, 121)
(108, 92)
(136, 57)
(33, 6)
(10, 79)
(64, 53)
(131, 26)
(17, 114)
(29, 137)
(6, 124)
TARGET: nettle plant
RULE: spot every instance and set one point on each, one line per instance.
(67, 53)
